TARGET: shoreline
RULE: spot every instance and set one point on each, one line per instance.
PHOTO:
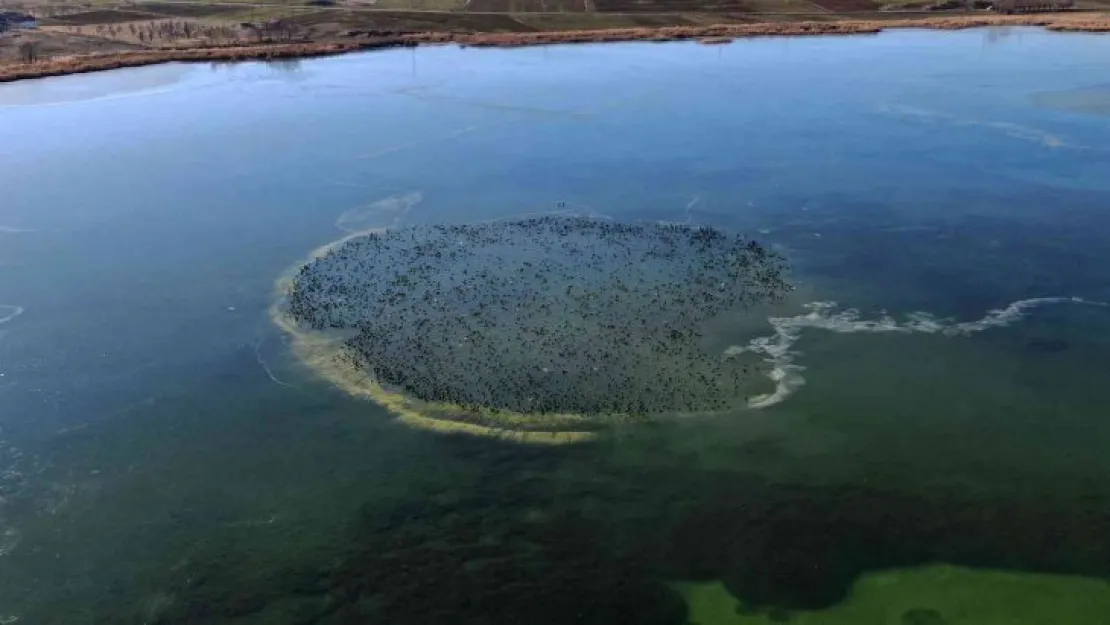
(712, 34)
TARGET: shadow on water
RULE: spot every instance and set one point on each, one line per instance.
(540, 538)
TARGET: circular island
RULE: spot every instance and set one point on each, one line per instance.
(543, 329)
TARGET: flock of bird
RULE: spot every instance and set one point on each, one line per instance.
(541, 315)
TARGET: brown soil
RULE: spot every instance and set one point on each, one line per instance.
(669, 6)
(528, 6)
(92, 18)
(561, 22)
(185, 10)
(847, 5)
(9, 71)
(413, 22)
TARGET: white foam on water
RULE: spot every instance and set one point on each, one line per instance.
(1027, 133)
(689, 207)
(13, 230)
(1005, 316)
(388, 212)
(7, 313)
(1016, 131)
(778, 348)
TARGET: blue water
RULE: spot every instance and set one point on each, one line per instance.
(155, 427)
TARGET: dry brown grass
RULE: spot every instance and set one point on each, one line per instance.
(672, 33)
(1091, 22)
(93, 63)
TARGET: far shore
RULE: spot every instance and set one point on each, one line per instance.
(711, 34)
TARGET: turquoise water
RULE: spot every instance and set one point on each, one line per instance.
(165, 457)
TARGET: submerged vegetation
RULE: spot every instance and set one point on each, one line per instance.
(531, 538)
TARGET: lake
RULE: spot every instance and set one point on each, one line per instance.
(927, 447)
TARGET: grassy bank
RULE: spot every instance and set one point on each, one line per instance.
(1084, 22)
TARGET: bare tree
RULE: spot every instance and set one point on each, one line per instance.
(282, 30)
(250, 30)
(29, 51)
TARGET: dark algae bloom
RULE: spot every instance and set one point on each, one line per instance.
(543, 324)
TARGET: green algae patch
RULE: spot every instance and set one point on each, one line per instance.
(931, 595)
